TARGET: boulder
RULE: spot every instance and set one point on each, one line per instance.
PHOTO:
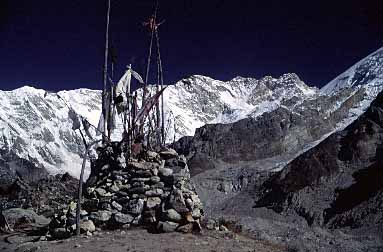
(121, 218)
(172, 215)
(20, 218)
(87, 226)
(167, 226)
(101, 216)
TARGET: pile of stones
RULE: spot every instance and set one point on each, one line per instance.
(153, 190)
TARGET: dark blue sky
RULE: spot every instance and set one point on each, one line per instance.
(59, 44)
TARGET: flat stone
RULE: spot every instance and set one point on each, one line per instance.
(125, 187)
(155, 192)
(158, 185)
(167, 226)
(140, 165)
(155, 179)
(139, 190)
(165, 172)
(121, 218)
(101, 216)
(144, 173)
(169, 153)
(141, 179)
(116, 206)
(173, 215)
(153, 202)
(100, 192)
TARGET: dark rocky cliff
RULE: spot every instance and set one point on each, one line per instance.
(282, 132)
(337, 183)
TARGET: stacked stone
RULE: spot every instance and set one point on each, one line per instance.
(153, 190)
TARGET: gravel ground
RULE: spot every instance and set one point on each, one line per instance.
(140, 240)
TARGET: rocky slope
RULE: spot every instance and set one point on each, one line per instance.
(339, 182)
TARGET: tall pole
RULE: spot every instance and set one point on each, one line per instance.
(161, 82)
(149, 57)
(104, 91)
(79, 192)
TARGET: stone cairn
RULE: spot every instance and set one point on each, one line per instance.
(153, 190)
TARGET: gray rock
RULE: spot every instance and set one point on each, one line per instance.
(168, 154)
(152, 155)
(121, 218)
(116, 206)
(100, 192)
(140, 165)
(135, 207)
(196, 213)
(139, 189)
(154, 193)
(143, 173)
(87, 226)
(101, 216)
(60, 233)
(172, 215)
(21, 217)
(141, 179)
(114, 188)
(177, 201)
(153, 202)
(166, 226)
(158, 185)
(165, 172)
(189, 204)
(155, 179)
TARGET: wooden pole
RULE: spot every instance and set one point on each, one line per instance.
(161, 80)
(79, 192)
(104, 91)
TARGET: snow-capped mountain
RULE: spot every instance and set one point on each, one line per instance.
(200, 100)
(367, 73)
(35, 125)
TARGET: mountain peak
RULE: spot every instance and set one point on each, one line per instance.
(368, 72)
